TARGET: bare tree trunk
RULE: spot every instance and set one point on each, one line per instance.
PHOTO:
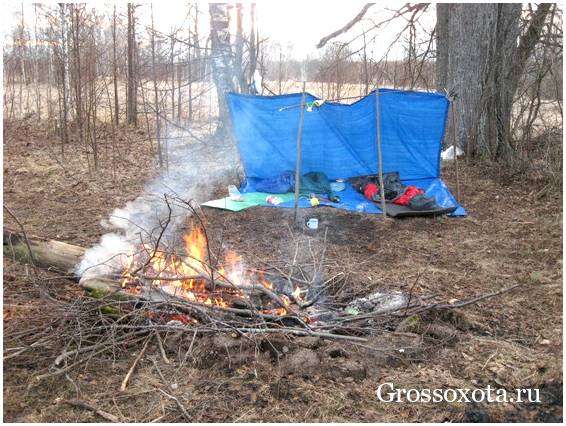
(146, 115)
(115, 71)
(22, 57)
(239, 49)
(77, 74)
(93, 97)
(36, 66)
(280, 73)
(199, 71)
(49, 83)
(442, 42)
(190, 83)
(179, 82)
(9, 84)
(193, 72)
(156, 95)
(13, 98)
(132, 106)
(65, 79)
(222, 64)
(172, 62)
(365, 65)
(254, 46)
(482, 70)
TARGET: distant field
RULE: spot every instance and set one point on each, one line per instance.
(204, 103)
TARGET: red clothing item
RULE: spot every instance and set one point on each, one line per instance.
(408, 195)
(370, 191)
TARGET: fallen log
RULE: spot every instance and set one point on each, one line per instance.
(47, 254)
(60, 257)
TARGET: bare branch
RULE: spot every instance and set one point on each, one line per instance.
(346, 27)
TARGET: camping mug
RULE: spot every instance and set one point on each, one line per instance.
(312, 223)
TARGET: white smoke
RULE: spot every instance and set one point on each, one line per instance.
(194, 170)
(106, 257)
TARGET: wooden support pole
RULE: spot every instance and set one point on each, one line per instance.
(455, 147)
(379, 153)
(299, 152)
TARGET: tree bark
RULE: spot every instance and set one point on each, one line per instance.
(222, 61)
(172, 65)
(199, 71)
(239, 50)
(131, 104)
(36, 68)
(160, 154)
(115, 71)
(76, 27)
(254, 47)
(480, 63)
(60, 257)
(65, 86)
(442, 43)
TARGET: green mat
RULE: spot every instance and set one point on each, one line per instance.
(249, 199)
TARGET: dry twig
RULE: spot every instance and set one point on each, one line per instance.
(88, 406)
(133, 367)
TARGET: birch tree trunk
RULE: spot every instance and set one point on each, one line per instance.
(222, 60)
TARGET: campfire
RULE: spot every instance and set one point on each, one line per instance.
(158, 291)
(194, 278)
(213, 290)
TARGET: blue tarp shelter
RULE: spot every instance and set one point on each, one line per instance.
(341, 140)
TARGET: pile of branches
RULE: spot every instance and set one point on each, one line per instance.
(110, 318)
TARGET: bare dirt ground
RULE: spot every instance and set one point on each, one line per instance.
(512, 341)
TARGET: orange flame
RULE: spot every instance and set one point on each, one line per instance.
(263, 281)
(179, 276)
(195, 246)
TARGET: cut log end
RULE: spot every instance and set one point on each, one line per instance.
(48, 254)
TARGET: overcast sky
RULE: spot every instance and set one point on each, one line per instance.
(299, 24)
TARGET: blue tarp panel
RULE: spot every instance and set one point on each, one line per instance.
(340, 139)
